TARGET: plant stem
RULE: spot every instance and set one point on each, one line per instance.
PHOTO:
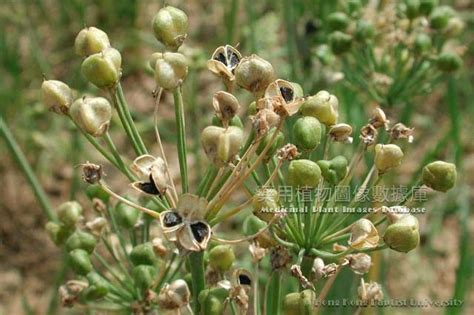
(129, 119)
(117, 156)
(20, 158)
(273, 294)
(196, 260)
(180, 124)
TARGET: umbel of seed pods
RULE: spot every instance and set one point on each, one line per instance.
(185, 225)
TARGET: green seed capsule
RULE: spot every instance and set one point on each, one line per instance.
(252, 109)
(144, 276)
(364, 31)
(80, 261)
(235, 121)
(82, 240)
(170, 26)
(440, 16)
(387, 156)
(57, 95)
(334, 170)
(170, 70)
(301, 303)
(337, 21)
(221, 257)
(303, 173)
(265, 202)
(422, 44)
(126, 215)
(439, 175)
(253, 225)
(427, 6)
(69, 213)
(221, 144)
(276, 144)
(449, 62)
(90, 40)
(92, 114)
(412, 8)
(58, 233)
(143, 254)
(403, 235)
(307, 133)
(254, 74)
(212, 300)
(340, 42)
(103, 69)
(97, 289)
(322, 106)
(95, 191)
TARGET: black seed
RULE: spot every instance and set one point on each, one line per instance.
(200, 231)
(232, 58)
(244, 280)
(148, 188)
(171, 219)
(287, 94)
(221, 58)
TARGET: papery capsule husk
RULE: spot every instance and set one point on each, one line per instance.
(364, 235)
(223, 62)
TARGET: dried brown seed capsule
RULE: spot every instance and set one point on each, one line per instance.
(90, 40)
(368, 134)
(379, 119)
(92, 114)
(400, 131)
(92, 173)
(152, 175)
(371, 291)
(223, 62)
(341, 133)
(226, 106)
(57, 96)
(359, 263)
(254, 74)
(279, 257)
(363, 235)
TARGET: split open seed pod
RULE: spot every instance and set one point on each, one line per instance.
(152, 175)
(223, 62)
(364, 235)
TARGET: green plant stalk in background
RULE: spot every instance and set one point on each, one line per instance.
(20, 158)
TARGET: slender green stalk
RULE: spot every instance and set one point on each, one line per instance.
(180, 124)
(196, 260)
(129, 119)
(273, 294)
(20, 158)
(117, 156)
